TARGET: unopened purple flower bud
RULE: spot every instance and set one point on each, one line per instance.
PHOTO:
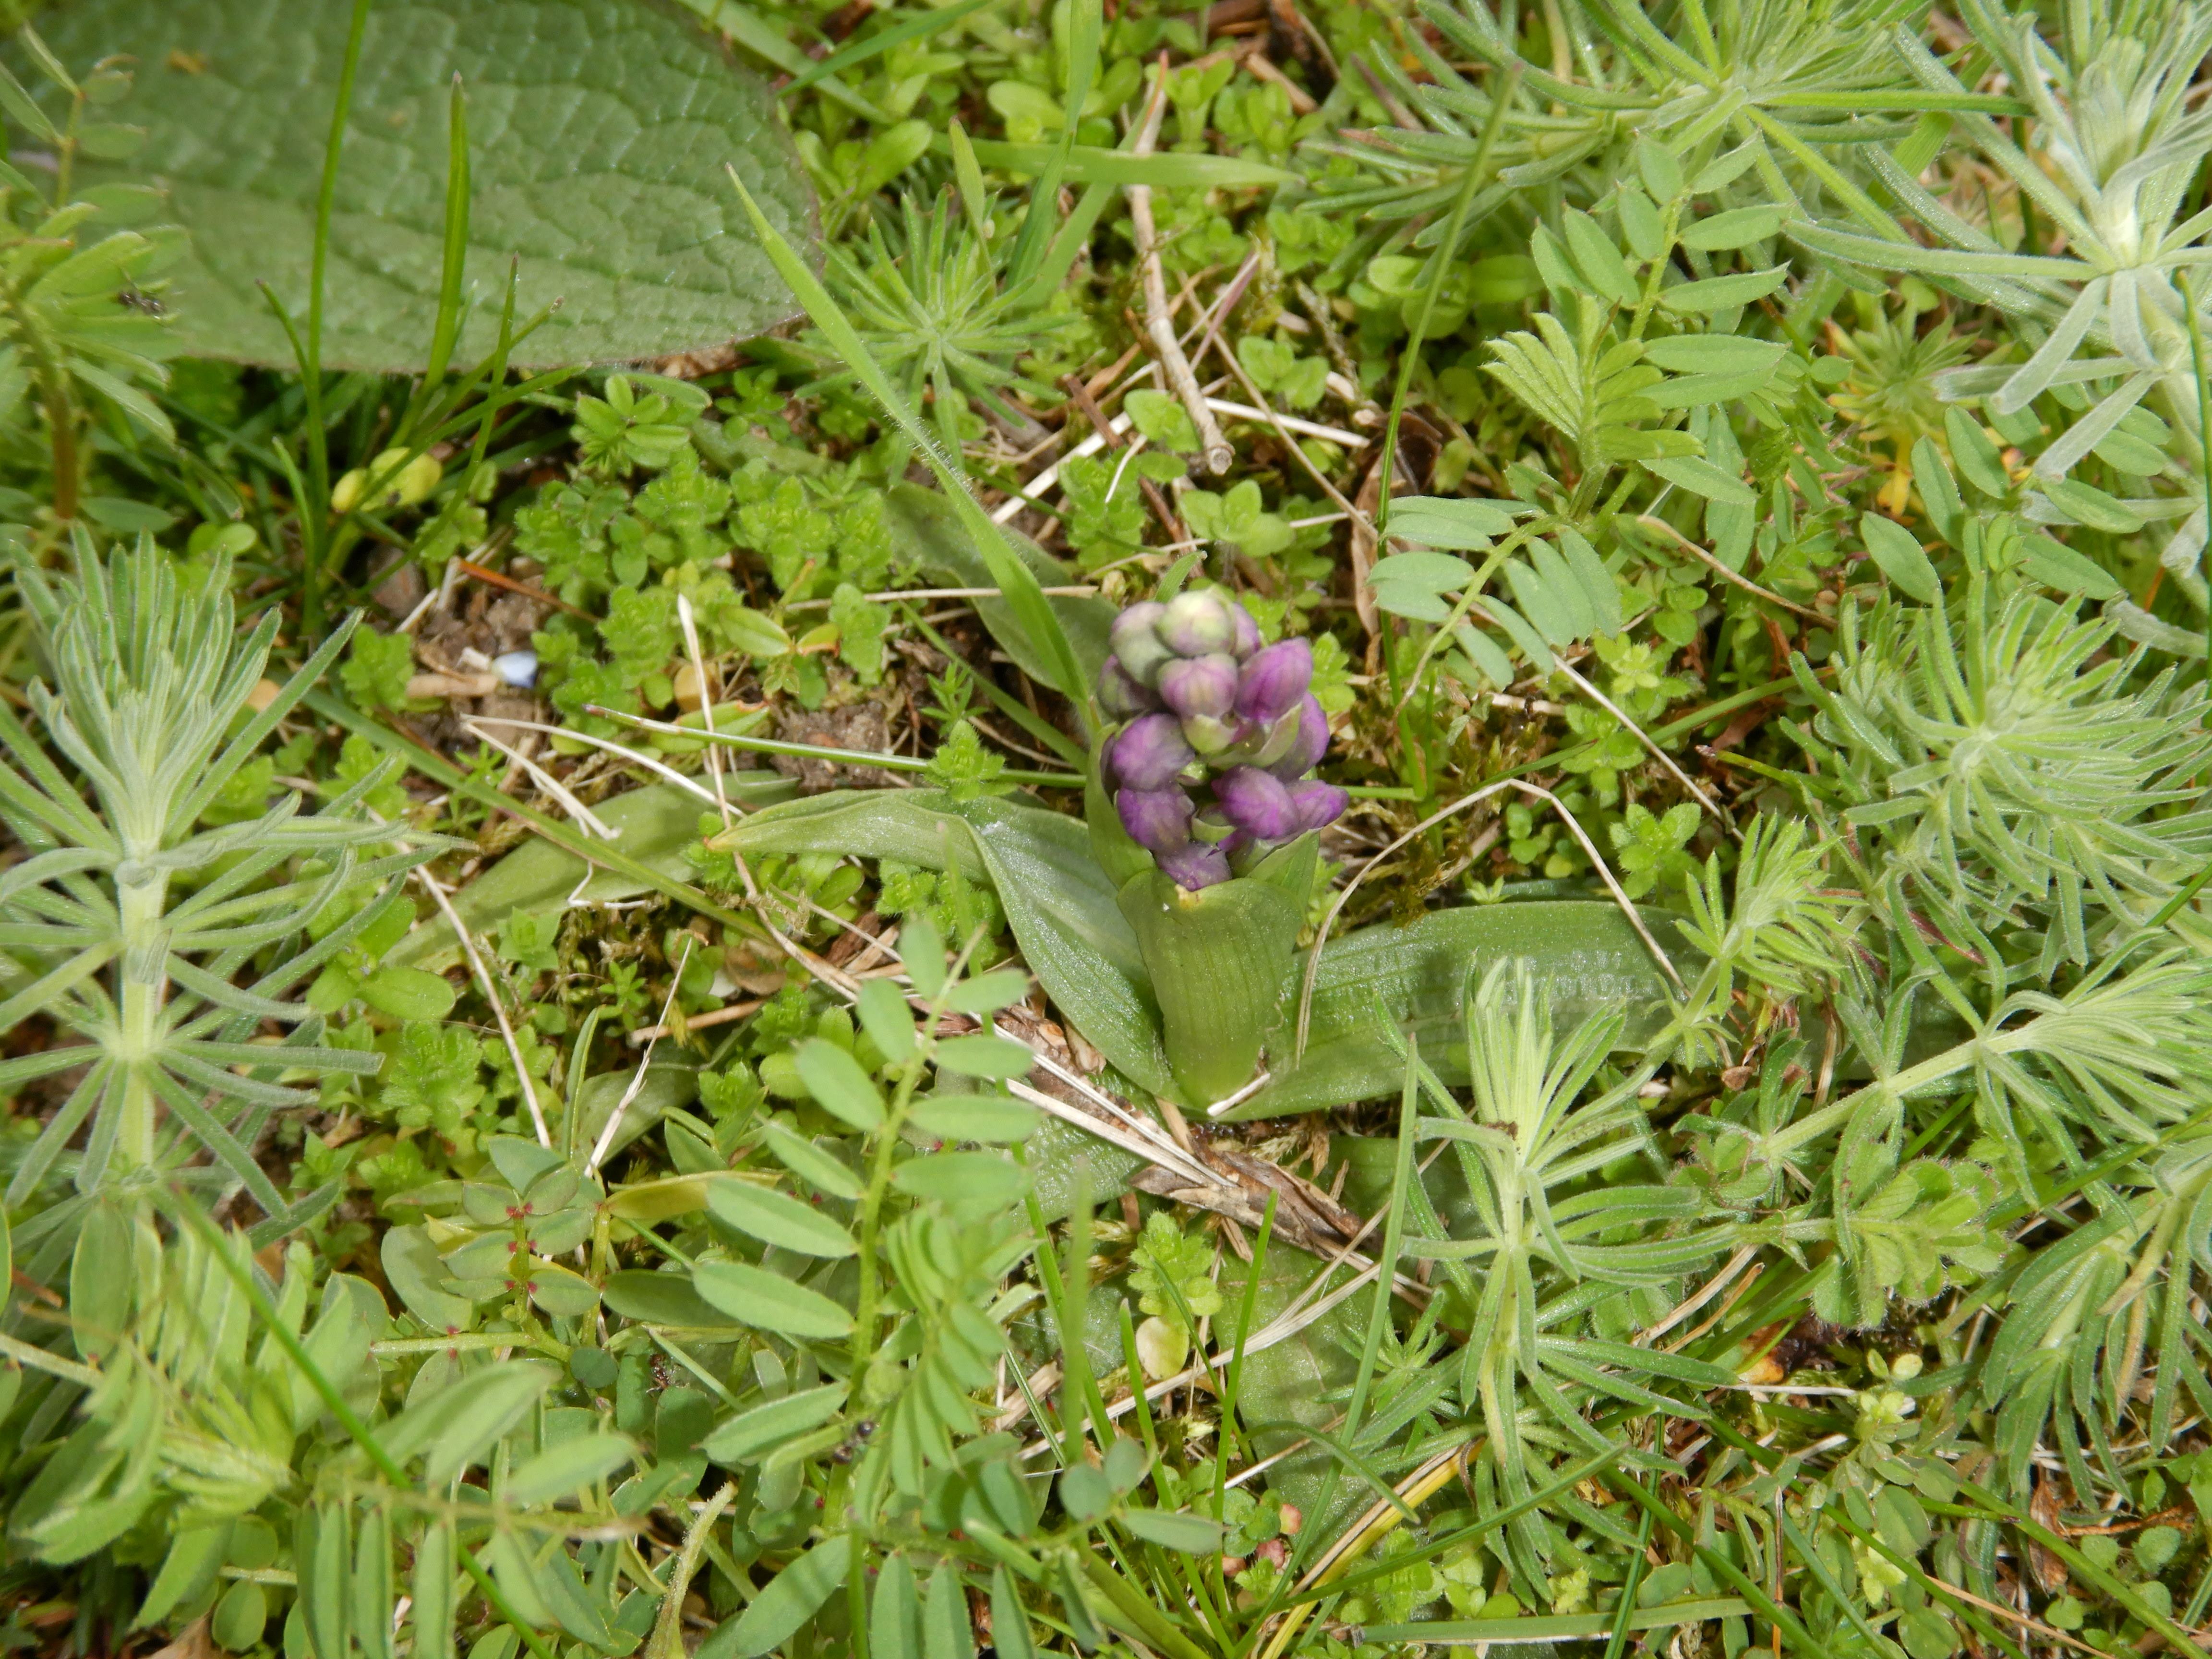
(1200, 685)
(1158, 820)
(1257, 803)
(1148, 753)
(1248, 632)
(1195, 866)
(1209, 735)
(1311, 745)
(1274, 680)
(1196, 625)
(1317, 804)
(1136, 641)
(1120, 694)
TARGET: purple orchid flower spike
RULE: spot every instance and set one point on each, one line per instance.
(1197, 624)
(1158, 820)
(1195, 866)
(1200, 686)
(1149, 753)
(1309, 745)
(1121, 694)
(1274, 680)
(1317, 803)
(1257, 803)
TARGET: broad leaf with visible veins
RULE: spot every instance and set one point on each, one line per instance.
(600, 130)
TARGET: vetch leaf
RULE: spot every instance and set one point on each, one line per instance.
(1897, 552)
(567, 1467)
(961, 1178)
(810, 1162)
(777, 1218)
(838, 1084)
(895, 1614)
(764, 1427)
(1725, 293)
(1701, 477)
(1193, 1534)
(2056, 565)
(974, 1117)
(600, 130)
(475, 1412)
(655, 1299)
(884, 1017)
(1734, 229)
(793, 1597)
(768, 1302)
(984, 1057)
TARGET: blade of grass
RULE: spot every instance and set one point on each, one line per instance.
(1634, 1582)
(1087, 164)
(921, 26)
(1987, 1506)
(1230, 1395)
(815, 751)
(448, 326)
(1016, 581)
(315, 511)
(2190, 284)
(1787, 1622)
(1087, 24)
(1447, 251)
(1378, 1316)
(766, 41)
(1558, 1627)
(1429, 1549)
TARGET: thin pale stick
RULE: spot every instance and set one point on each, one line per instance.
(491, 995)
(599, 1147)
(471, 721)
(1650, 521)
(1159, 323)
(553, 786)
(706, 703)
(1658, 753)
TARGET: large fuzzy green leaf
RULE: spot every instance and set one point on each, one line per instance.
(600, 132)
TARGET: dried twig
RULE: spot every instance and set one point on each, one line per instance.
(1159, 325)
(1658, 753)
(491, 995)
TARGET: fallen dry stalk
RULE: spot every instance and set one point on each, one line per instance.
(1159, 322)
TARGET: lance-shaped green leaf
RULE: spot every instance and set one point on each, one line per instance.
(1583, 951)
(1221, 960)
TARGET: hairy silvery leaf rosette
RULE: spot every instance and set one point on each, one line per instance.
(1208, 772)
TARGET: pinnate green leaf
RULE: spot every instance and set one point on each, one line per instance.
(764, 1427)
(793, 1597)
(777, 1218)
(838, 1084)
(768, 1302)
(568, 1466)
(1898, 553)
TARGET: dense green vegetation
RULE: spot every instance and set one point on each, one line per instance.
(1271, 833)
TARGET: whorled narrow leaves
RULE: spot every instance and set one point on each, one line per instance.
(130, 923)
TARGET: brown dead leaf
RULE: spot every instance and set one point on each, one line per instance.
(191, 1642)
(2049, 1571)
